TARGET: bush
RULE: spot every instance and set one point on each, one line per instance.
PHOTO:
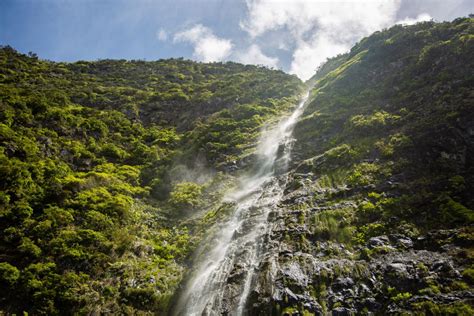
(364, 233)
(29, 248)
(431, 308)
(454, 212)
(8, 274)
(333, 225)
(468, 274)
(395, 143)
(400, 297)
(142, 298)
(376, 120)
(113, 152)
(186, 195)
(341, 154)
(363, 174)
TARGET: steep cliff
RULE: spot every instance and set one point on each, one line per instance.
(378, 215)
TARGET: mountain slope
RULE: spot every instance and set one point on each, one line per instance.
(379, 215)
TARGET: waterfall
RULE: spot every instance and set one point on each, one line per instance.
(225, 264)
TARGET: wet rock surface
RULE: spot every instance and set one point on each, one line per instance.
(304, 271)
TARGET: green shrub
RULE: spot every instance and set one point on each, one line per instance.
(341, 154)
(431, 308)
(454, 212)
(333, 225)
(374, 121)
(186, 195)
(364, 233)
(8, 274)
(363, 174)
(468, 274)
(401, 297)
(113, 152)
(394, 144)
(142, 298)
(28, 247)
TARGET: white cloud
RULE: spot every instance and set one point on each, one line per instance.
(308, 56)
(162, 35)
(207, 46)
(420, 18)
(254, 55)
(319, 28)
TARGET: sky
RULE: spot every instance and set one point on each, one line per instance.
(293, 35)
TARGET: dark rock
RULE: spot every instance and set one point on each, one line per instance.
(342, 283)
(446, 268)
(342, 311)
(292, 298)
(399, 270)
(379, 241)
(371, 304)
(401, 241)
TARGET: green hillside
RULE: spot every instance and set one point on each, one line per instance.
(91, 161)
(396, 115)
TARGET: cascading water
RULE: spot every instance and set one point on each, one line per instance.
(225, 264)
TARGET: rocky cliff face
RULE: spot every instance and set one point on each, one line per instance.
(311, 264)
(377, 215)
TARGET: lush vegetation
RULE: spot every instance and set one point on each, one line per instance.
(95, 161)
(113, 170)
(396, 114)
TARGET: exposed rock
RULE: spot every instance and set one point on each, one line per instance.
(342, 311)
(380, 241)
(401, 241)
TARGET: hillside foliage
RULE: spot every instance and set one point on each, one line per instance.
(88, 200)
